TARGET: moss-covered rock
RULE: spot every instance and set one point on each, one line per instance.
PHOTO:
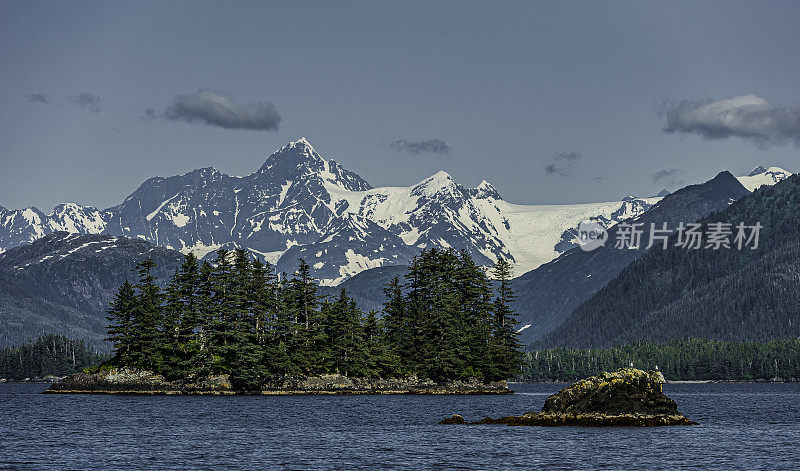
(627, 397)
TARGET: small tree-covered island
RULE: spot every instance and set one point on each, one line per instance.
(235, 326)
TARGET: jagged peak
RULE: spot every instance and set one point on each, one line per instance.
(297, 152)
(757, 171)
(303, 142)
(299, 160)
(304, 148)
(487, 190)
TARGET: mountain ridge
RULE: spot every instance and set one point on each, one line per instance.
(298, 204)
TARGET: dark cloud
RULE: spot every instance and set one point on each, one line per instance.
(747, 116)
(569, 167)
(87, 102)
(217, 109)
(569, 156)
(669, 177)
(434, 146)
(553, 170)
(594, 179)
(38, 97)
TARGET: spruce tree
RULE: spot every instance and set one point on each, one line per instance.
(302, 297)
(120, 327)
(221, 325)
(505, 347)
(399, 334)
(206, 312)
(246, 354)
(146, 344)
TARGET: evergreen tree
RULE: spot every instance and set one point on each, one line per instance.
(399, 329)
(120, 318)
(345, 336)
(146, 344)
(305, 329)
(505, 346)
(380, 361)
(201, 338)
(476, 307)
(246, 353)
(439, 337)
(221, 324)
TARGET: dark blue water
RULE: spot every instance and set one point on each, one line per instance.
(743, 426)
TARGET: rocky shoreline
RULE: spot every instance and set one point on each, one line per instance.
(627, 397)
(134, 382)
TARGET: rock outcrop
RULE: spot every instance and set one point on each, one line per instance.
(624, 398)
(127, 381)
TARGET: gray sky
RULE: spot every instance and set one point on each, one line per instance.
(551, 102)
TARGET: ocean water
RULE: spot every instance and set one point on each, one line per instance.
(743, 426)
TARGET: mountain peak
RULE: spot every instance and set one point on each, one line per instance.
(487, 190)
(303, 143)
(757, 171)
(294, 154)
(439, 182)
(661, 193)
(299, 160)
(441, 175)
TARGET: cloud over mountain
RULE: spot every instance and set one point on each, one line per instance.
(747, 116)
(217, 109)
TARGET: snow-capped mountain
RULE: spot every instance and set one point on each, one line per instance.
(438, 212)
(300, 205)
(27, 225)
(763, 176)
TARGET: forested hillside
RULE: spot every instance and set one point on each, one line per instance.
(725, 294)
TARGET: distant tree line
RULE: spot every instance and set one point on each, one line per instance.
(236, 316)
(683, 359)
(54, 355)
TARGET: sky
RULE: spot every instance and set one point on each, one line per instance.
(551, 102)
